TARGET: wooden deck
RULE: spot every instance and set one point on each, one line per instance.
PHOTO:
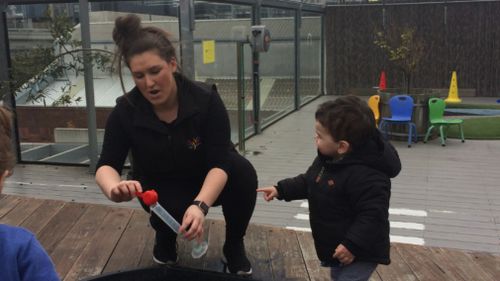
(88, 239)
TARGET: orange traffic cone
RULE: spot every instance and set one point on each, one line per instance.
(453, 93)
(382, 86)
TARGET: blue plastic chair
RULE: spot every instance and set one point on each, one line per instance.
(401, 107)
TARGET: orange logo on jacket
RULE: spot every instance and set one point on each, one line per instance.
(330, 183)
(194, 143)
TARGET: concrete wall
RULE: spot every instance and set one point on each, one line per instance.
(37, 124)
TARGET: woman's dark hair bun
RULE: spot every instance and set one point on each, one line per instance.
(126, 28)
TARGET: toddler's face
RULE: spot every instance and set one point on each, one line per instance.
(324, 141)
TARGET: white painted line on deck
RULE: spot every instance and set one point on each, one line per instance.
(442, 211)
(71, 185)
(304, 217)
(407, 212)
(393, 238)
(393, 211)
(394, 224)
(43, 184)
(303, 229)
(407, 225)
(407, 240)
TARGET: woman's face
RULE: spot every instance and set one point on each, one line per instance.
(153, 76)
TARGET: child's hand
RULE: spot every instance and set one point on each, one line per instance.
(268, 192)
(343, 255)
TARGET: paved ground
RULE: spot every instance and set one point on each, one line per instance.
(445, 196)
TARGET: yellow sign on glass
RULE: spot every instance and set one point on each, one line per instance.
(208, 51)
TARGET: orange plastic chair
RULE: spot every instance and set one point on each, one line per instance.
(373, 103)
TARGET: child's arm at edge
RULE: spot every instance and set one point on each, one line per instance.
(269, 193)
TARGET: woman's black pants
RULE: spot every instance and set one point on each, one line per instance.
(237, 200)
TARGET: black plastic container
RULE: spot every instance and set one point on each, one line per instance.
(166, 274)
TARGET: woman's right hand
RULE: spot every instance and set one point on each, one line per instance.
(269, 192)
(125, 191)
(192, 223)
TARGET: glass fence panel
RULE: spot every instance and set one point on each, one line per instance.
(108, 86)
(277, 65)
(310, 57)
(219, 29)
(44, 45)
(47, 67)
(45, 42)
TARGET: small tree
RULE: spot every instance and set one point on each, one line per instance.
(403, 48)
(34, 69)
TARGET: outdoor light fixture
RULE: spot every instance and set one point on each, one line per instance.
(261, 38)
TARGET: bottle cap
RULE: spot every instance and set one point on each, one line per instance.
(149, 197)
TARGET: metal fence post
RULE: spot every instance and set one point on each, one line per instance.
(89, 84)
(241, 95)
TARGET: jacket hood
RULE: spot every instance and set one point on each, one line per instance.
(375, 152)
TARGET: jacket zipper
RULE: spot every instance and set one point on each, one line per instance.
(320, 174)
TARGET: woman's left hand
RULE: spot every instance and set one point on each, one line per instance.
(192, 223)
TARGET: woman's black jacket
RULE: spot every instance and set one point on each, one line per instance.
(172, 158)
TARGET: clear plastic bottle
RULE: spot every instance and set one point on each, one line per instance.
(150, 198)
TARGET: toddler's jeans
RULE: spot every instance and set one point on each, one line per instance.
(356, 271)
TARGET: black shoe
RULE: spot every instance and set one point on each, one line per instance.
(164, 251)
(235, 259)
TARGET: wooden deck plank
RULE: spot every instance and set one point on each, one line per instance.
(71, 246)
(216, 237)
(146, 259)
(286, 258)
(8, 203)
(313, 266)
(55, 230)
(398, 270)
(258, 252)
(459, 265)
(375, 277)
(488, 262)
(130, 247)
(421, 262)
(41, 216)
(85, 240)
(22, 211)
(94, 257)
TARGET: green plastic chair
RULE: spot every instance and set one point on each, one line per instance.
(436, 112)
